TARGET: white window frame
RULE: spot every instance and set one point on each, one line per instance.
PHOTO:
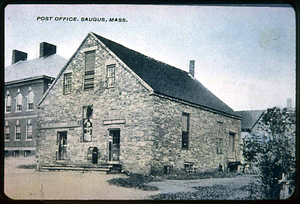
(17, 100)
(16, 133)
(27, 131)
(28, 97)
(113, 75)
(66, 84)
(6, 100)
(5, 133)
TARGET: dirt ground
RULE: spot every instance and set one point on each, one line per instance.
(67, 185)
(30, 184)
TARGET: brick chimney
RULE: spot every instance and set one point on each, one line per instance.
(47, 49)
(192, 68)
(18, 56)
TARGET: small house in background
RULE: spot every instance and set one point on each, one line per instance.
(25, 83)
(112, 106)
(249, 120)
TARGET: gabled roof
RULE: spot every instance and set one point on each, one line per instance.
(48, 66)
(250, 118)
(166, 79)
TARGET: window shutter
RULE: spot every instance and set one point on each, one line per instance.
(17, 122)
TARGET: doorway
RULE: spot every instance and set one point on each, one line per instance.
(62, 145)
(95, 155)
(114, 145)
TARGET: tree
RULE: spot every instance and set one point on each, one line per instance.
(274, 151)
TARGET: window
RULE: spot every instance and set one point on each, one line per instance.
(89, 70)
(87, 123)
(219, 138)
(67, 83)
(7, 103)
(27, 153)
(110, 75)
(29, 132)
(18, 131)
(185, 131)
(219, 145)
(6, 131)
(16, 153)
(30, 99)
(19, 101)
(231, 142)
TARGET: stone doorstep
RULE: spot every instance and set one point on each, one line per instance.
(83, 167)
(74, 168)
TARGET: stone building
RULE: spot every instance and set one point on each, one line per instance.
(113, 105)
(25, 83)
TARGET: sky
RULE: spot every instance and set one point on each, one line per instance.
(246, 56)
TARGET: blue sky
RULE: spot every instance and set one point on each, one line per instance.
(244, 55)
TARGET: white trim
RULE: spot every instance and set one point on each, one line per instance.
(89, 48)
(21, 117)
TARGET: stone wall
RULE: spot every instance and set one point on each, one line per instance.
(150, 137)
(203, 135)
(129, 100)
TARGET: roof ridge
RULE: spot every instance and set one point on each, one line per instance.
(139, 53)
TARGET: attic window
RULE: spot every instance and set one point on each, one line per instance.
(67, 83)
(89, 70)
(110, 69)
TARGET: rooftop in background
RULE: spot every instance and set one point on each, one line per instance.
(49, 66)
(249, 118)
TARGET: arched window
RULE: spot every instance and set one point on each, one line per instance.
(19, 99)
(7, 103)
(30, 99)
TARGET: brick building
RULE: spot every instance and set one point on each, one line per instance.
(25, 83)
(113, 105)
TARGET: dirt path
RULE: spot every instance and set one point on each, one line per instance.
(175, 186)
(30, 184)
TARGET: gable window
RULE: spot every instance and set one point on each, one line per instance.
(30, 99)
(219, 138)
(18, 131)
(7, 103)
(19, 99)
(110, 69)
(87, 123)
(185, 130)
(29, 130)
(89, 72)
(6, 131)
(67, 83)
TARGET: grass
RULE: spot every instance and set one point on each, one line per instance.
(215, 192)
(201, 175)
(137, 181)
(27, 166)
